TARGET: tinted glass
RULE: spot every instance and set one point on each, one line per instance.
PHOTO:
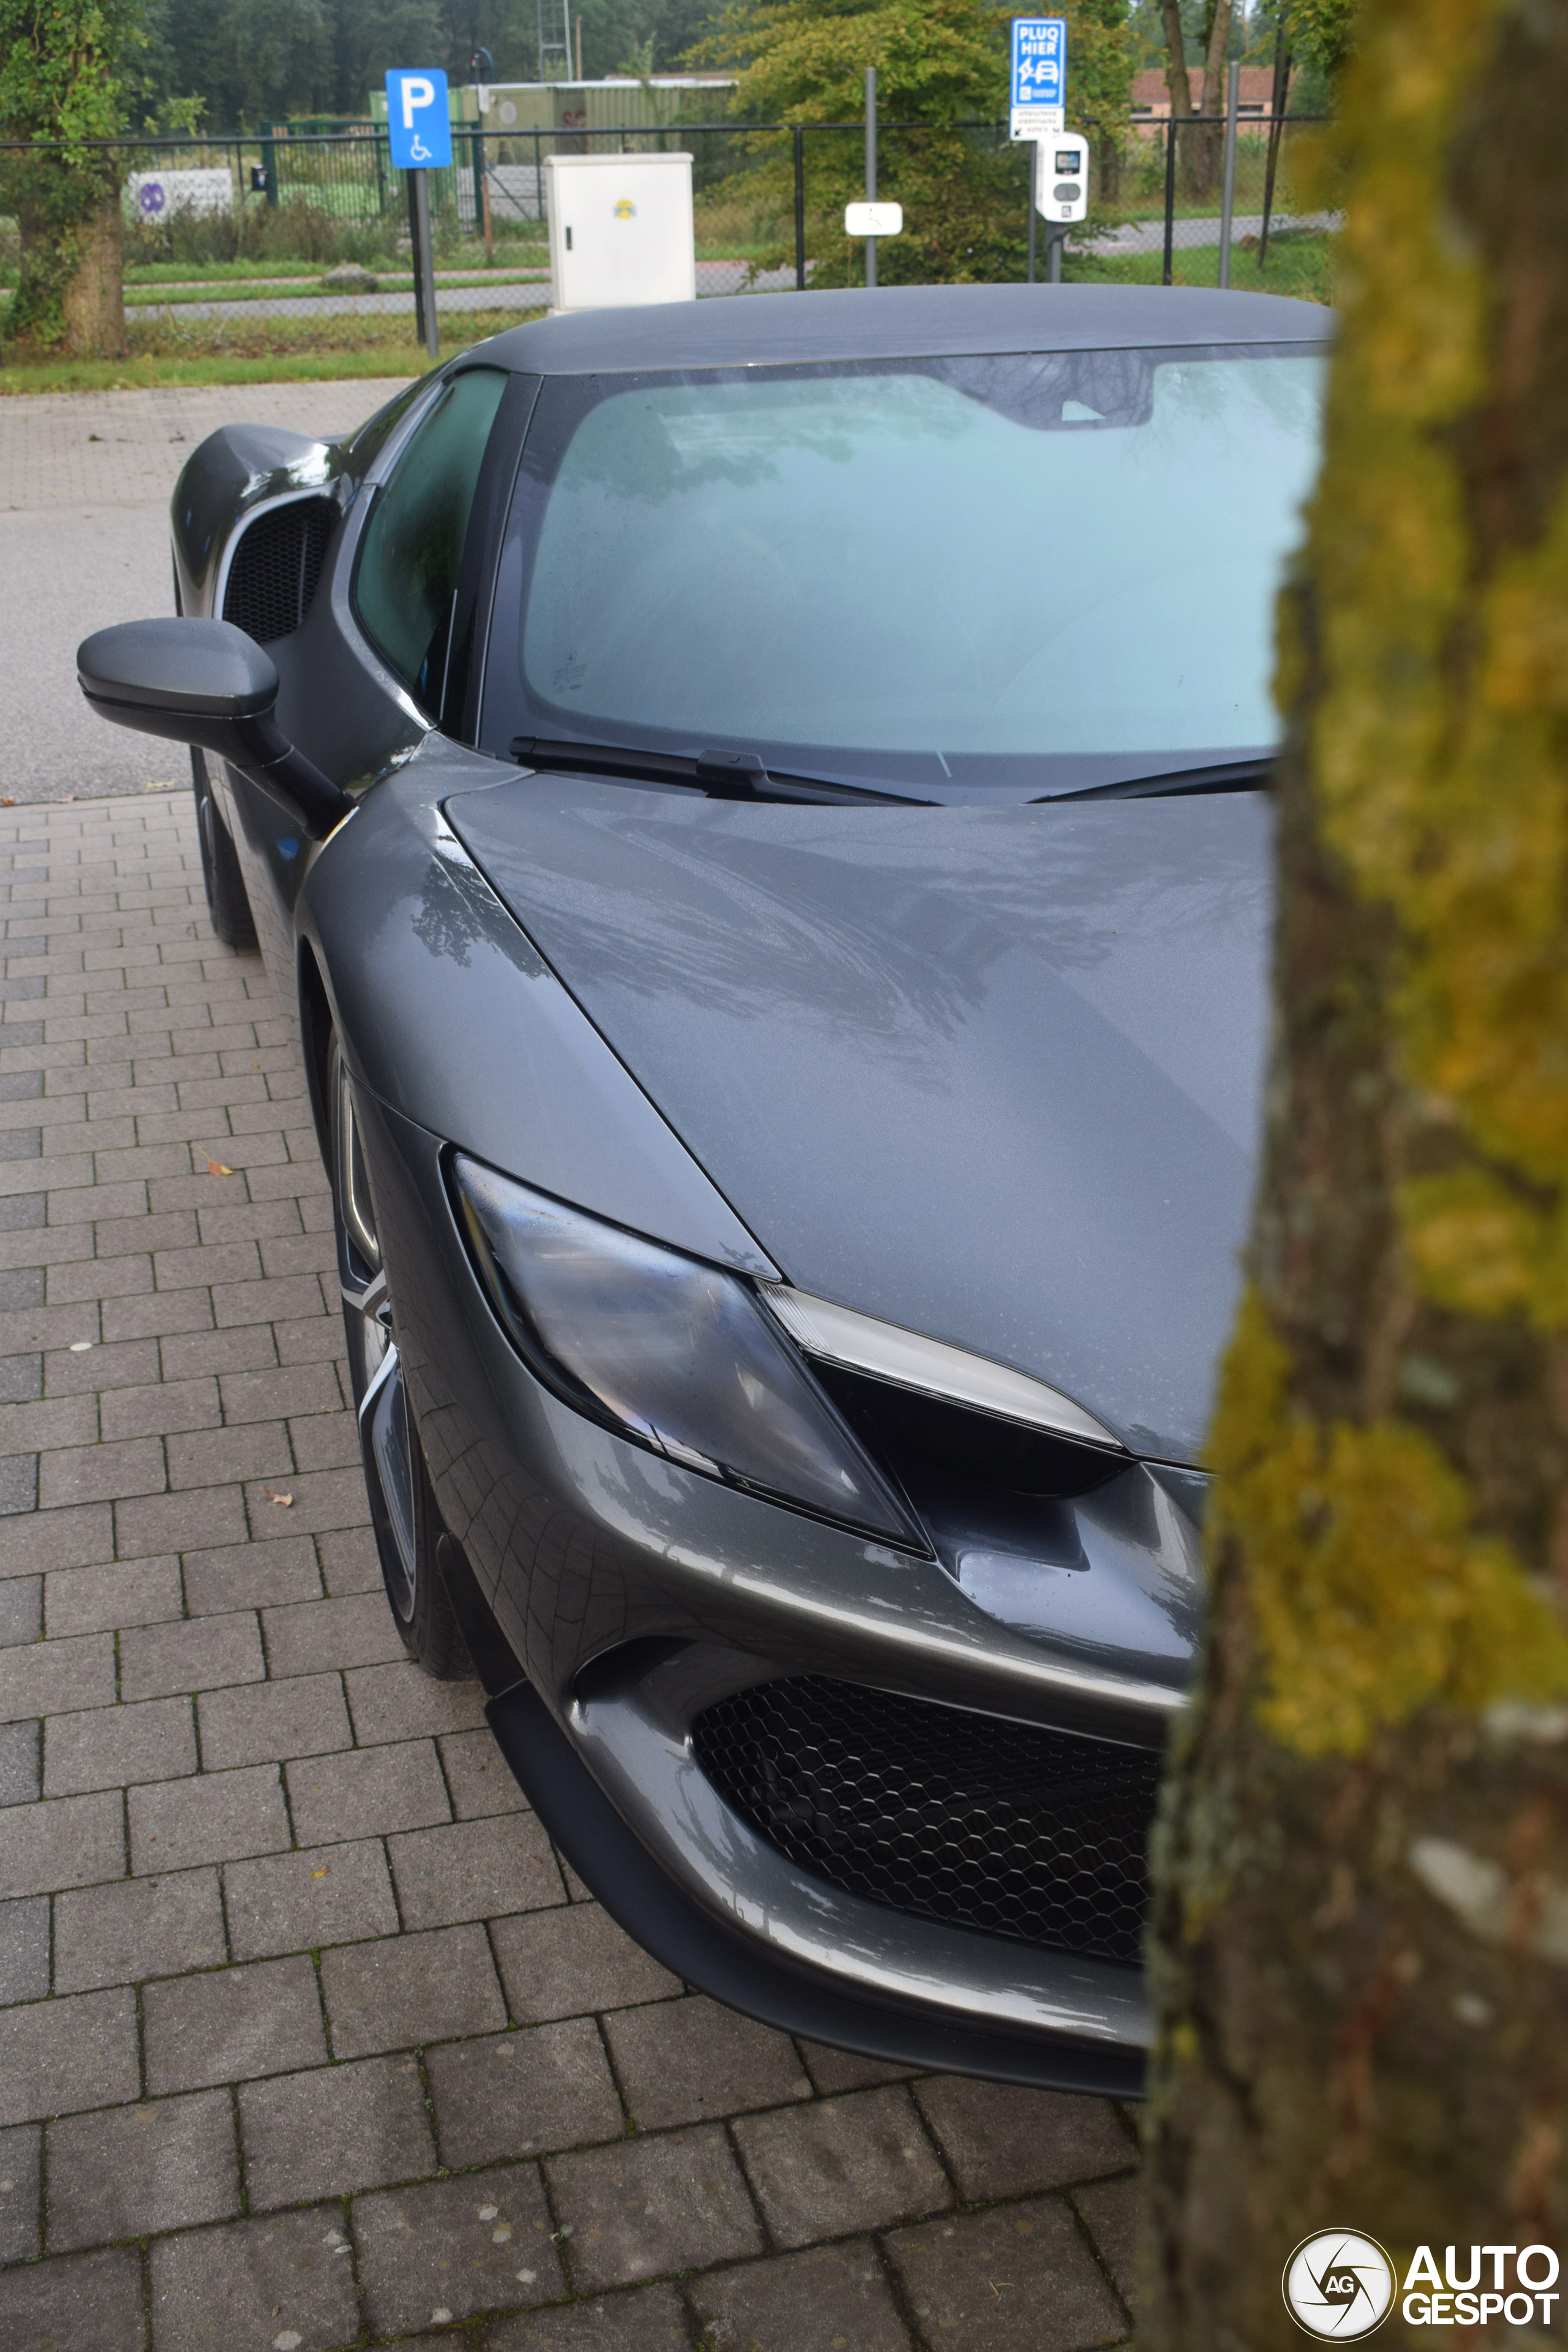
(406, 582)
(980, 560)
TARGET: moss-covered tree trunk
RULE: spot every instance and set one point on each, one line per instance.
(1361, 1944)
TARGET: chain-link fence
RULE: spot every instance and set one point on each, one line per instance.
(769, 198)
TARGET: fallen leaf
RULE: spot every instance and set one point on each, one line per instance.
(165, 784)
(323, 1872)
(216, 1168)
(285, 1501)
(7, 800)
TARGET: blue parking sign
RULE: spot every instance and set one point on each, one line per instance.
(1039, 73)
(417, 118)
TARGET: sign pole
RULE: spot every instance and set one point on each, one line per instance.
(1034, 205)
(870, 167)
(425, 265)
(419, 136)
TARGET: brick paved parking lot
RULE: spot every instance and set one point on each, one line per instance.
(309, 2040)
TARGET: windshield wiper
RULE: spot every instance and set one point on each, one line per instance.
(723, 775)
(1233, 776)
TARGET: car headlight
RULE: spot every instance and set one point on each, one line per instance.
(672, 1352)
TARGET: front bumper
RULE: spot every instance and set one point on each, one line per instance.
(632, 1594)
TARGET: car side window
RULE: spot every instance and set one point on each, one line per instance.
(406, 582)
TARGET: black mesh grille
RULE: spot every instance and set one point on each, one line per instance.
(998, 1826)
(276, 567)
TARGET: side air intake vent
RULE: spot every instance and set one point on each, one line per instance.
(1002, 1827)
(276, 567)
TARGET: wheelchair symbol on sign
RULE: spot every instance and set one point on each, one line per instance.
(420, 153)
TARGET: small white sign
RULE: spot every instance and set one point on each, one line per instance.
(873, 220)
(159, 195)
(1037, 121)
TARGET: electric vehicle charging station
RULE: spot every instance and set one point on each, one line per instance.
(1061, 191)
(1061, 178)
(621, 230)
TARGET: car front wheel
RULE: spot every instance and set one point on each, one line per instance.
(403, 1509)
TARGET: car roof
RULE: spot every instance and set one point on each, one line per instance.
(900, 322)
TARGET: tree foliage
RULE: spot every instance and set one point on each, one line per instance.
(939, 63)
(67, 73)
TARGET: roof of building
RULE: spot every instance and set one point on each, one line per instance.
(900, 322)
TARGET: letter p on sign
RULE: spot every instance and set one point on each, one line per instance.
(417, 92)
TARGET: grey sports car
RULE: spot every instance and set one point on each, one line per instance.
(756, 809)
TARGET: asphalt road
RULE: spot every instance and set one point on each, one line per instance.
(85, 480)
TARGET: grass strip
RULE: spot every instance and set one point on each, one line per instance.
(263, 350)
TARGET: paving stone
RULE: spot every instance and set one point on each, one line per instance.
(210, 1818)
(1002, 2141)
(648, 2319)
(1113, 2212)
(858, 2162)
(299, 1902)
(198, 1653)
(474, 1870)
(112, 1745)
(116, 1593)
(672, 2203)
(79, 1537)
(100, 1473)
(163, 2165)
(335, 2130)
(573, 1960)
(20, 1484)
(21, 1377)
(357, 1631)
(398, 1702)
(479, 1776)
(232, 2025)
(21, 1609)
(50, 1677)
(1016, 2279)
(67, 1841)
(451, 2248)
(136, 1929)
(367, 1792)
(682, 2061)
(165, 1405)
(251, 1576)
(304, 1716)
(845, 2070)
(21, 1776)
(195, 1520)
(246, 2287)
(21, 2221)
(404, 1991)
(516, 2093)
(833, 2297)
(92, 2304)
(349, 1559)
(25, 1948)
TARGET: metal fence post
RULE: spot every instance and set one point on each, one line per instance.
(269, 163)
(870, 167)
(799, 141)
(1227, 199)
(1170, 196)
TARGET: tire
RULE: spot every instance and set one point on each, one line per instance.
(403, 1509)
(226, 902)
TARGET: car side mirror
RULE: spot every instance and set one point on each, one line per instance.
(206, 682)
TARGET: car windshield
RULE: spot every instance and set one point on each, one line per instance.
(1011, 575)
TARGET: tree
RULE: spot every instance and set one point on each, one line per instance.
(63, 76)
(1362, 1863)
(939, 63)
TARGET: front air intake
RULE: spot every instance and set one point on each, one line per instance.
(1006, 1828)
(274, 570)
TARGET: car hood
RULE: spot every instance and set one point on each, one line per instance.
(990, 1074)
